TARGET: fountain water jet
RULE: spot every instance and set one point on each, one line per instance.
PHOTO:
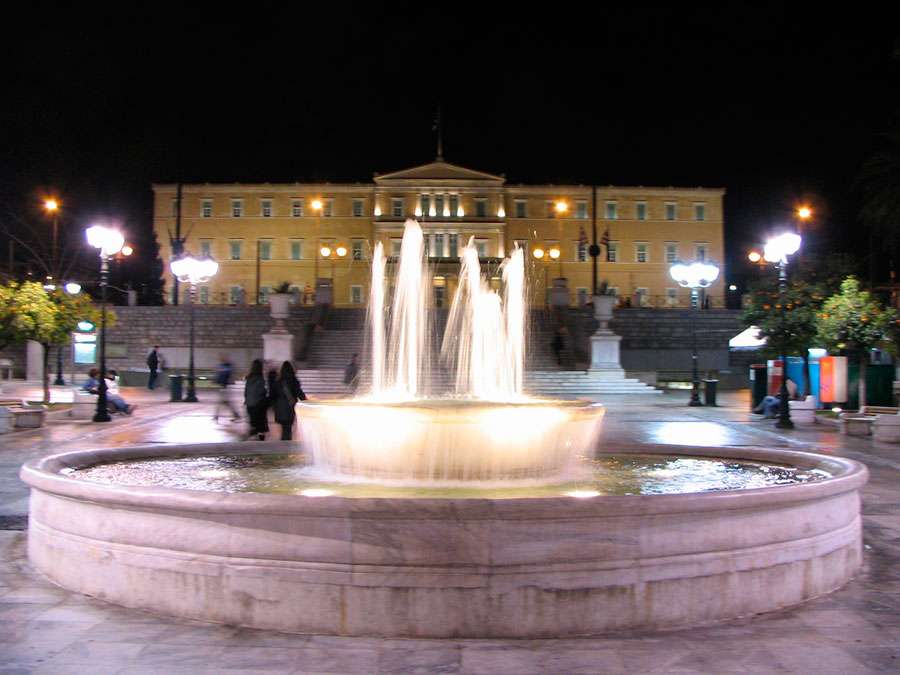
(487, 430)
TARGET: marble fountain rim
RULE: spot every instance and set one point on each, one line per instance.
(44, 474)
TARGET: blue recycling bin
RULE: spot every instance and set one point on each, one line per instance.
(795, 373)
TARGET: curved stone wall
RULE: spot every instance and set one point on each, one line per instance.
(541, 567)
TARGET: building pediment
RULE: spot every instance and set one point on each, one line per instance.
(438, 171)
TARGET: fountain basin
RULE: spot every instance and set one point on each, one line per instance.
(540, 567)
(449, 440)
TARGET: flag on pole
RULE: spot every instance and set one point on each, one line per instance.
(605, 242)
(582, 237)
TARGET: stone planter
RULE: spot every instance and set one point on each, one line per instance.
(803, 412)
(279, 306)
(603, 310)
(886, 428)
(854, 424)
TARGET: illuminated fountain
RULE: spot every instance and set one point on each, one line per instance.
(478, 513)
(486, 429)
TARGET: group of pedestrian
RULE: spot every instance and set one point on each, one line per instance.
(279, 391)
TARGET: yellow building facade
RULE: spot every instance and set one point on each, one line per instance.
(265, 234)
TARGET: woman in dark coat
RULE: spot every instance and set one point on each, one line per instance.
(256, 401)
(286, 393)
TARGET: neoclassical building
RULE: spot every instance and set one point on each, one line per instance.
(268, 233)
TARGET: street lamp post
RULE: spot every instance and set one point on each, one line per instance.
(544, 256)
(777, 251)
(71, 288)
(108, 241)
(189, 269)
(695, 276)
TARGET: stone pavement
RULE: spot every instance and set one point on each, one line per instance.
(44, 629)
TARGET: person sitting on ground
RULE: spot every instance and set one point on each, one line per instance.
(114, 401)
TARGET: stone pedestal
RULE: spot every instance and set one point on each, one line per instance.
(34, 362)
(559, 292)
(278, 347)
(605, 361)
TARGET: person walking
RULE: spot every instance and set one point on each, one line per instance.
(351, 375)
(153, 364)
(223, 379)
(558, 345)
(256, 401)
(287, 392)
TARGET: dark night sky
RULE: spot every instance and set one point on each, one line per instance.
(776, 104)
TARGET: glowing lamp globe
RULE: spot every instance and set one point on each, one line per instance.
(193, 270)
(107, 239)
(325, 251)
(538, 253)
(779, 248)
(73, 288)
(554, 253)
(695, 275)
(341, 251)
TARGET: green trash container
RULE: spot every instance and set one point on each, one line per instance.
(709, 392)
(175, 387)
(758, 384)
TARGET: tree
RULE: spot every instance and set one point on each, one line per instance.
(28, 311)
(879, 181)
(856, 322)
(789, 332)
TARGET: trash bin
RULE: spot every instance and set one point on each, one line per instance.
(175, 387)
(758, 384)
(709, 391)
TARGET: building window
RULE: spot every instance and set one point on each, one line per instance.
(206, 247)
(581, 294)
(699, 211)
(356, 295)
(581, 210)
(701, 252)
(395, 246)
(206, 208)
(396, 208)
(454, 245)
(358, 208)
(357, 249)
(204, 295)
(296, 208)
(581, 251)
(328, 208)
(670, 211)
(296, 249)
(264, 294)
(424, 202)
(235, 295)
(611, 211)
(612, 252)
(521, 208)
(481, 208)
(642, 296)
(266, 207)
(481, 246)
(234, 249)
(522, 244)
(641, 210)
(265, 249)
(454, 205)
(551, 209)
(439, 206)
(671, 253)
(671, 297)
(641, 253)
(237, 208)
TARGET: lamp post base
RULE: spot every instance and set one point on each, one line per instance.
(102, 417)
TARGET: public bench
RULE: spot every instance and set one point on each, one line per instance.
(861, 423)
(17, 414)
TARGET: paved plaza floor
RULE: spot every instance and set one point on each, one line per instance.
(44, 629)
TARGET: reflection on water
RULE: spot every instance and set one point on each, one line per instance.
(608, 475)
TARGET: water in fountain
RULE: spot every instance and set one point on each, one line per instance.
(484, 341)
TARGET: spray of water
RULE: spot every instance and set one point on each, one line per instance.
(483, 343)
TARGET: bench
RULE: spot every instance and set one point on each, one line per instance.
(17, 414)
(861, 423)
(803, 412)
(84, 405)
